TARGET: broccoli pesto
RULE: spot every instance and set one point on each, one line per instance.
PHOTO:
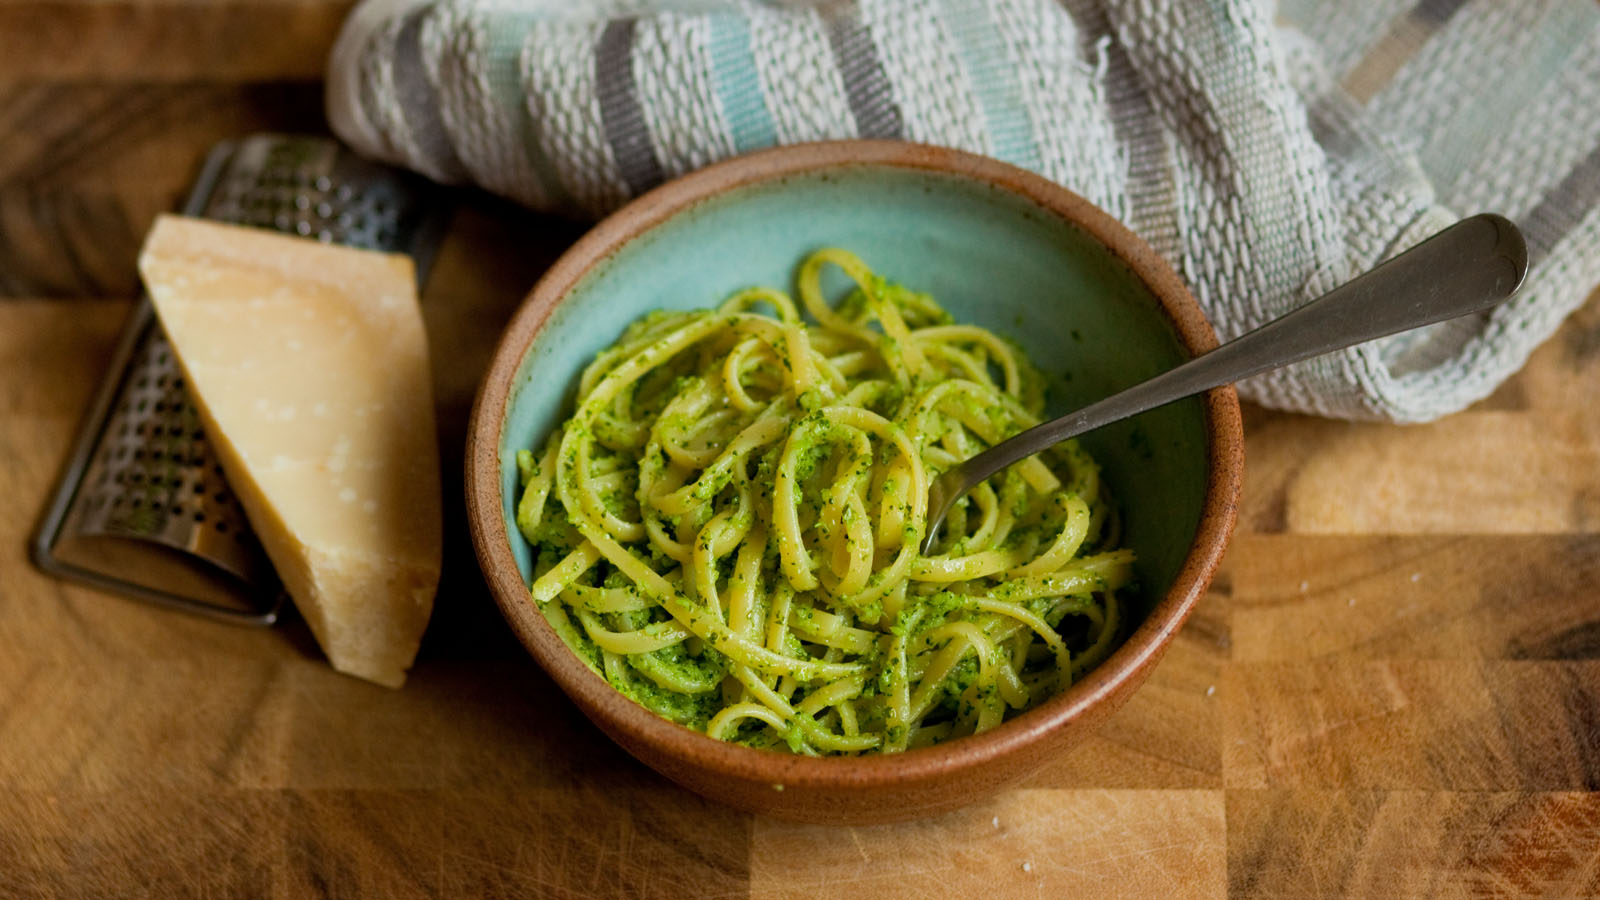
(726, 529)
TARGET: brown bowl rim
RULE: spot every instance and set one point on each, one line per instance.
(1140, 650)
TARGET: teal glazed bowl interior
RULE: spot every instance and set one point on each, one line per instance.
(1093, 307)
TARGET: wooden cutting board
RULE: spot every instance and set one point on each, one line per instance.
(1393, 689)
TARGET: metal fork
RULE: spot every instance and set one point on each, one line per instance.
(1469, 267)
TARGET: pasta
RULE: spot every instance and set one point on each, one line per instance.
(727, 527)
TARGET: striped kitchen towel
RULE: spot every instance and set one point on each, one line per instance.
(1268, 154)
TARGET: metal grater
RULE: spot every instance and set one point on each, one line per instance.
(143, 508)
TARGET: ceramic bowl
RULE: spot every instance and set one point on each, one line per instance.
(1093, 306)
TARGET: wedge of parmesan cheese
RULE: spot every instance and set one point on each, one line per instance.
(309, 365)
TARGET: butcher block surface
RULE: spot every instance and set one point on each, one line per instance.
(1392, 689)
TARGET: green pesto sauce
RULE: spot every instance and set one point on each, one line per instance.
(685, 682)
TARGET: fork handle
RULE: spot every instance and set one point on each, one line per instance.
(1466, 268)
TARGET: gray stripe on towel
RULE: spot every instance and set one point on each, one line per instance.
(1563, 208)
(866, 86)
(1408, 34)
(1152, 191)
(1437, 12)
(419, 101)
(621, 116)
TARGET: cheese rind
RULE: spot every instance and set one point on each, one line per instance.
(309, 365)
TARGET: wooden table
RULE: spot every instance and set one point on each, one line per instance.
(1392, 690)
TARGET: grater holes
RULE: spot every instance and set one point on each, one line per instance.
(298, 185)
(148, 454)
(285, 185)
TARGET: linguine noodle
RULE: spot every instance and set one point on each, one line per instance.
(727, 527)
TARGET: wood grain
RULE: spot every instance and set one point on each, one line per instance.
(168, 40)
(1390, 691)
(1413, 724)
(1027, 843)
(1448, 476)
(1358, 715)
(638, 840)
(86, 167)
(1382, 844)
(1468, 597)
